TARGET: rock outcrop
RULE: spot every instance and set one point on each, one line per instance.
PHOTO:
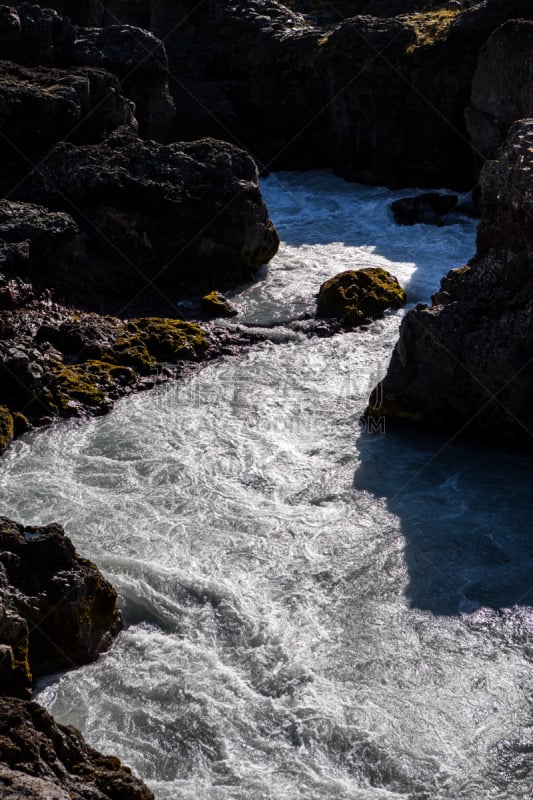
(33, 36)
(302, 84)
(57, 611)
(161, 213)
(40, 759)
(65, 608)
(464, 364)
(40, 107)
(502, 89)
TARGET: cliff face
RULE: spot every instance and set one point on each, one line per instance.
(375, 89)
(465, 363)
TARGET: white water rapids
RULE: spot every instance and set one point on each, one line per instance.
(311, 611)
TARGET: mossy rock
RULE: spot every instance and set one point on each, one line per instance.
(88, 385)
(7, 429)
(216, 305)
(355, 295)
(170, 339)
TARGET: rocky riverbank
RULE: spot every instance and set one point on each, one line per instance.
(57, 611)
(118, 205)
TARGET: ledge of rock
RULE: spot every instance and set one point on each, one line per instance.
(165, 213)
(358, 295)
(33, 36)
(41, 106)
(464, 364)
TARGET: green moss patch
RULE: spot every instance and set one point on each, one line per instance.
(7, 429)
(216, 305)
(355, 295)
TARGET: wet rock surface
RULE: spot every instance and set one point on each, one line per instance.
(426, 209)
(69, 609)
(41, 759)
(464, 364)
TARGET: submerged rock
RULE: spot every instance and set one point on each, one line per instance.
(41, 759)
(464, 364)
(356, 295)
(427, 209)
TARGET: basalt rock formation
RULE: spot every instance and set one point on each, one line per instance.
(464, 364)
(57, 611)
(502, 89)
(135, 60)
(303, 84)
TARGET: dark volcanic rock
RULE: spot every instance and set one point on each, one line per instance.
(428, 209)
(140, 62)
(70, 609)
(465, 364)
(164, 213)
(45, 232)
(502, 89)
(41, 759)
(32, 36)
(40, 107)
(357, 295)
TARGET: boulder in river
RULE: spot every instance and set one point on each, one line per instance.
(357, 295)
(430, 208)
(216, 305)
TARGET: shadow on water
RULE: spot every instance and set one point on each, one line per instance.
(466, 514)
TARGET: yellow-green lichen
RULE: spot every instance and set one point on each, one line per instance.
(7, 428)
(170, 338)
(216, 305)
(430, 26)
(356, 294)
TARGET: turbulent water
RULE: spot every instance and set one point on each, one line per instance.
(312, 611)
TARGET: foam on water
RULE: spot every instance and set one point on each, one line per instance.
(311, 611)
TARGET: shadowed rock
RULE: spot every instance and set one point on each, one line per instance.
(464, 364)
(502, 89)
(41, 759)
(164, 213)
(70, 609)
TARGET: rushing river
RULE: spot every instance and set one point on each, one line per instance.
(312, 611)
